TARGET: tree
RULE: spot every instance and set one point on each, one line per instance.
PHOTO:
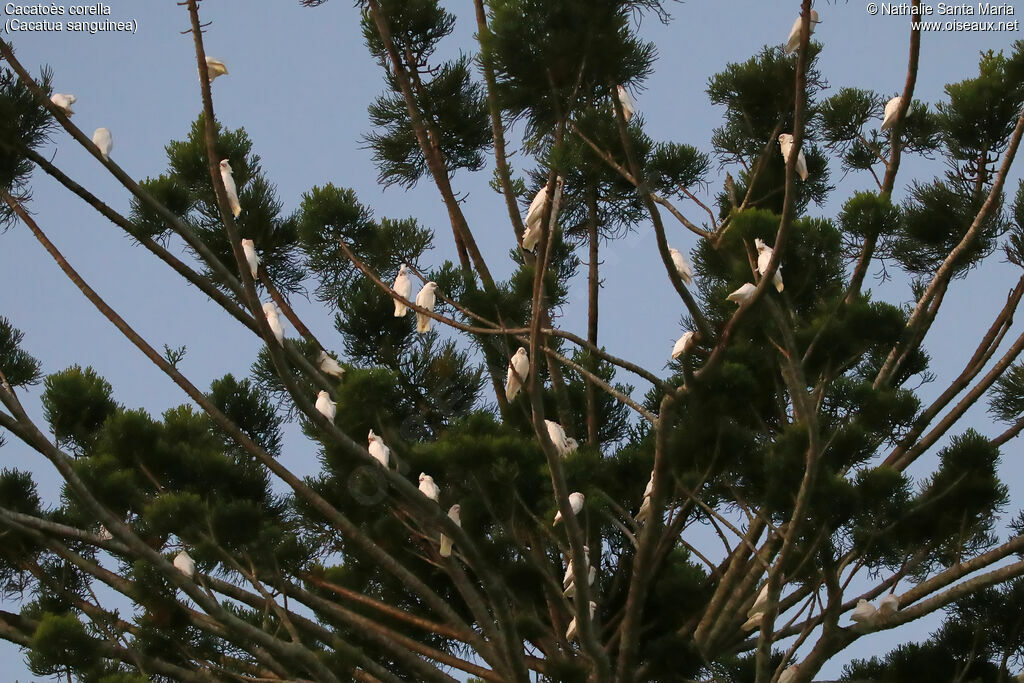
(789, 423)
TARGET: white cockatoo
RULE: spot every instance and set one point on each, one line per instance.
(214, 68)
(570, 633)
(276, 326)
(892, 110)
(645, 507)
(104, 534)
(569, 579)
(793, 42)
(786, 145)
(425, 299)
(64, 102)
(184, 563)
(756, 612)
(570, 445)
(518, 371)
(104, 141)
(575, 503)
(270, 307)
(864, 613)
(683, 344)
(535, 215)
(557, 435)
(789, 674)
(329, 365)
(428, 488)
(454, 514)
(251, 257)
(628, 105)
(764, 256)
(742, 295)
(229, 187)
(682, 265)
(377, 449)
(402, 286)
(888, 606)
(326, 406)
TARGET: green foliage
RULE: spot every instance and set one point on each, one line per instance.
(18, 367)
(76, 402)
(24, 124)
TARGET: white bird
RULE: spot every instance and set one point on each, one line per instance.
(251, 257)
(428, 488)
(786, 144)
(229, 187)
(184, 563)
(683, 344)
(271, 308)
(628, 105)
(892, 110)
(575, 503)
(326, 406)
(104, 141)
(214, 68)
(789, 674)
(756, 612)
(864, 613)
(570, 445)
(64, 102)
(403, 287)
(645, 507)
(569, 579)
(793, 42)
(888, 606)
(535, 215)
(764, 256)
(104, 534)
(378, 450)
(275, 325)
(557, 435)
(454, 514)
(425, 299)
(682, 265)
(329, 365)
(742, 295)
(570, 633)
(518, 371)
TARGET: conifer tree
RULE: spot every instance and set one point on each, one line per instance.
(791, 424)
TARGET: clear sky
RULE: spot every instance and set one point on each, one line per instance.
(300, 81)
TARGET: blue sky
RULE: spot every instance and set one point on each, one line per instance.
(300, 81)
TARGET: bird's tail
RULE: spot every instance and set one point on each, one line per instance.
(512, 389)
(778, 283)
(400, 309)
(422, 323)
(446, 546)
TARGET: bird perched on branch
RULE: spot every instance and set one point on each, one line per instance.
(402, 287)
(454, 514)
(575, 503)
(214, 68)
(743, 294)
(892, 111)
(535, 215)
(326, 406)
(425, 299)
(764, 257)
(229, 187)
(518, 371)
(786, 145)
(184, 563)
(378, 449)
(64, 102)
(793, 42)
(104, 141)
(628, 105)
(682, 266)
(249, 249)
(329, 365)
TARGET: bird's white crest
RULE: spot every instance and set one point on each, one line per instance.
(743, 294)
(570, 633)
(570, 445)
(249, 249)
(789, 674)
(378, 449)
(786, 145)
(575, 504)
(454, 514)
(892, 110)
(764, 257)
(628, 105)
(183, 563)
(682, 265)
(64, 102)
(428, 488)
(104, 141)
(683, 344)
(276, 326)
(518, 371)
(426, 298)
(326, 406)
(793, 42)
(329, 365)
(403, 287)
(229, 187)
(214, 68)
(271, 307)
